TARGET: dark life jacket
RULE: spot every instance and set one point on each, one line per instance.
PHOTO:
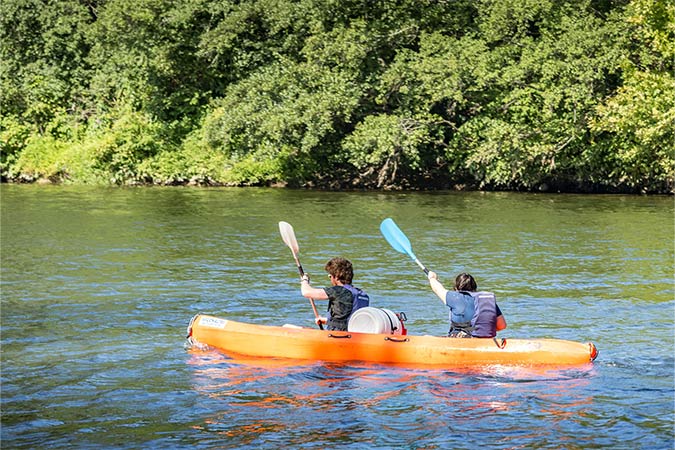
(484, 320)
(343, 301)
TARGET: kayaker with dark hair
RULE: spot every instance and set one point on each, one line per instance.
(343, 298)
(473, 313)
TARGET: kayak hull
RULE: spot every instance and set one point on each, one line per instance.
(305, 343)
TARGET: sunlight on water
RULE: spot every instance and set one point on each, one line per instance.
(98, 286)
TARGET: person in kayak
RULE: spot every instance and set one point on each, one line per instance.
(473, 313)
(343, 298)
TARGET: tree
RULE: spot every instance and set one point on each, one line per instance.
(43, 48)
(634, 131)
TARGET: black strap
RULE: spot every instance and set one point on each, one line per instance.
(391, 322)
(461, 326)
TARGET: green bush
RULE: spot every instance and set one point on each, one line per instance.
(508, 94)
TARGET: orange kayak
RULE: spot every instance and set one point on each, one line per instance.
(238, 338)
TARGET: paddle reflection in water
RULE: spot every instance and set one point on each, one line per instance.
(258, 401)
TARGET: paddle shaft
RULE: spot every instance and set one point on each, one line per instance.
(311, 300)
(422, 266)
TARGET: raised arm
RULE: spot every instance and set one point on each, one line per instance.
(437, 287)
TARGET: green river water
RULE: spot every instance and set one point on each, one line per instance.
(99, 284)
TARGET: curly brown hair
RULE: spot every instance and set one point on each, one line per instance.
(341, 269)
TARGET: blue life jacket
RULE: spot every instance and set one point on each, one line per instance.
(361, 299)
(484, 321)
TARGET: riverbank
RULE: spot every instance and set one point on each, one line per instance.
(560, 97)
(560, 188)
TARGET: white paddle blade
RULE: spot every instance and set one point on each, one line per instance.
(288, 235)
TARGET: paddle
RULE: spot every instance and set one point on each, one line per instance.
(399, 241)
(288, 235)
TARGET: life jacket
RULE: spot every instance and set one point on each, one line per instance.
(485, 314)
(342, 304)
(484, 320)
(361, 299)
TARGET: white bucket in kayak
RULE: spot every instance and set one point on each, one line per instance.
(374, 321)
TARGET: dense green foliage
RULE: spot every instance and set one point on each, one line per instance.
(488, 94)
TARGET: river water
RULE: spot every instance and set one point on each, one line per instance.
(99, 284)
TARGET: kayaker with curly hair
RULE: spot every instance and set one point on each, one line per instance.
(473, 313)
(343, 298)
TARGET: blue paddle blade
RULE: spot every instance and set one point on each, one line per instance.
(396, 238)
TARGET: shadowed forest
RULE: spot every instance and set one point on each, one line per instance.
(534, 95)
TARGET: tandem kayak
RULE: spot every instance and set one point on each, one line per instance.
(251, 340)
